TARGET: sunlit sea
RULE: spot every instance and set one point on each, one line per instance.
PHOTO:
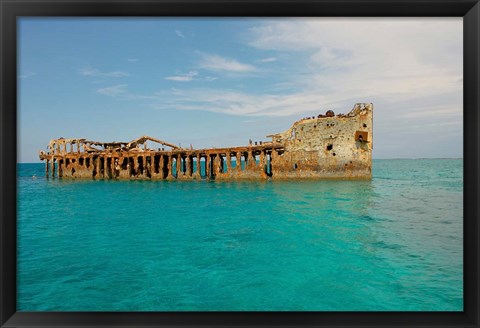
(394, 243)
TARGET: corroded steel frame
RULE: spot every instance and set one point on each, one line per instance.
(10, 10)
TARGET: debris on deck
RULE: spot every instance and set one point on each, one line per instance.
(322, 146)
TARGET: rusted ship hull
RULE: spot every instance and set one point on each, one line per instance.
(322, 147)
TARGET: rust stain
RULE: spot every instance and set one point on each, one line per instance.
(324, 147)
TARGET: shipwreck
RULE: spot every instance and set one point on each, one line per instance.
(326, 146)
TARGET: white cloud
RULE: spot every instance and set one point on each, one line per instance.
(410, 69)
(218, 63)
(179, 78)
(209, 78)
(121, 91)
(367, 58)
(447, 112)
(380, 48)
(96, 73)
(180, 34)
(183, 78)
(239, 103)
(267, 60)
(190, 76)
(114, 91)
(399, 62)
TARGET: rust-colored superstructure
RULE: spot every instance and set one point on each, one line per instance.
(323, 146)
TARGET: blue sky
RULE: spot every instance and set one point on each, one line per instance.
(220, 82)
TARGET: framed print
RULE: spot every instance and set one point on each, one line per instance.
(239, 164)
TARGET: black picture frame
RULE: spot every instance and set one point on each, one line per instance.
(10, 10)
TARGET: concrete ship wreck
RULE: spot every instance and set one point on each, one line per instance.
(324, 147)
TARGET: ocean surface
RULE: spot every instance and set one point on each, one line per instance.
(394, 243)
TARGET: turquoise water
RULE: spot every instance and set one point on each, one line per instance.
(390, 244)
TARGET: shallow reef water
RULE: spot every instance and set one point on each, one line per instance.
(394, 243)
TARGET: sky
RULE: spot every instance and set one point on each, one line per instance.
(217, 82)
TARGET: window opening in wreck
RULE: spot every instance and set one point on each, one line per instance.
(165, 166)
(203, 167)
(94, 163)
(211, 170)
(73, 171)
(156, 164)
(132, 166)
(177, 166)
(334, 154)
(364, 125)
(223, 164)
(243, 162)
(140, 165)
(109, 166)
(330, 147)
(183, 165)
(198, 164)
(295, 166)
(148, 166)
(268, 168)
(87, 162)
(80, 161)
(124, 164)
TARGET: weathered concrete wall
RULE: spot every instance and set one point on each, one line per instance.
(328, 146)
(325, 146)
